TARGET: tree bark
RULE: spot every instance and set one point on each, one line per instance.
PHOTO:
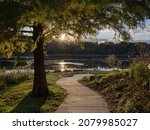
(40, 88)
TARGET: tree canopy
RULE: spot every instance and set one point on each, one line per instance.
(76, 18)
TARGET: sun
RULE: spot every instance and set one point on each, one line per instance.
(62, 37)
(65, 38)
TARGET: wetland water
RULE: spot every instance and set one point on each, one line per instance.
(65, 62)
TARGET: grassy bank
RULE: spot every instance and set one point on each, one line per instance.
(122, 92)
(17, 97)
(71, 73)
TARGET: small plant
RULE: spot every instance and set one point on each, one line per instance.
(84, 79)
(113, 61)
(92, 78)
(140, 72)
(99, 76)
(119, 85)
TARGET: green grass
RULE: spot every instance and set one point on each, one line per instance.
(17, 98)
(71, 73)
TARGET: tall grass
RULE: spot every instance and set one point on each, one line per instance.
(16, 77)
(13, 78)
(140, 72)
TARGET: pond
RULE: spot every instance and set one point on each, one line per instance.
(73, 64)
(78, 64)
(64, 64)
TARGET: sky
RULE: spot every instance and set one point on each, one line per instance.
(137, 35)
(108, 34)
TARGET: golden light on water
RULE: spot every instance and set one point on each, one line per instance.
(62, 66)
(62, 63)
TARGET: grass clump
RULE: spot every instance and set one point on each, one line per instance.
(12, 78)
(140, 72)
(119, 85)
(17, 77)
(105, 79)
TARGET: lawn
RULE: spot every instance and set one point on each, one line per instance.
(17, 98)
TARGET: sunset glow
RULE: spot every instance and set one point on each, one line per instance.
(63, 37)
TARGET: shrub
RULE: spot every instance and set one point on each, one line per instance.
(113, 61)
(99, 76)
(84, 80)
(16, 77)
(96, 79)
(92, 78)
(119, 85)
(140, 72)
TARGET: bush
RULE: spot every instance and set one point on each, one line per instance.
(99, 76)
(16, 77)
(92, 78)
(119, 85)
(140, 72)
(96, 79)
(113, 61)
(85, 79)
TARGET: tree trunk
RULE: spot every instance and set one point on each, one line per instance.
(40, 87)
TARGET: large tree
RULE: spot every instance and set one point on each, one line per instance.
(46, 20)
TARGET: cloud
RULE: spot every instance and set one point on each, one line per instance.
(138, 34)
(106, 34)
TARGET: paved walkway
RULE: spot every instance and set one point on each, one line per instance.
(80, 99)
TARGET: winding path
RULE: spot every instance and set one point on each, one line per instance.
(80, 99)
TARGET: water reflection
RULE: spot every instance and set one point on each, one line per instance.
(69, 65)
(62, 66)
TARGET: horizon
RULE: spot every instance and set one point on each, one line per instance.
(138, 35)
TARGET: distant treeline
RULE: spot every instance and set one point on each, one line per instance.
(122, 48)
